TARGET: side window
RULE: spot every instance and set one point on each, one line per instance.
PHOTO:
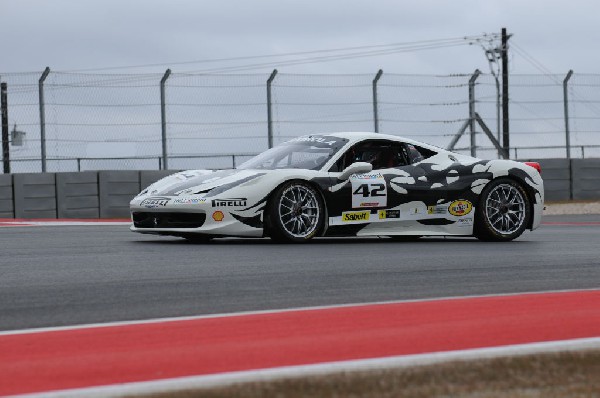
(381, 154)
(416, 153)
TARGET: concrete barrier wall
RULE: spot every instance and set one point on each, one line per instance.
(34, 195)
(6, 196)
(106, 194)
(586, 178)
(555, 173)
(77, 195)
(116, 189)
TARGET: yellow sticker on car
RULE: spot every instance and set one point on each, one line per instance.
(460, 207)
(354, 216)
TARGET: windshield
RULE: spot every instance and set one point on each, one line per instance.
(307, 152)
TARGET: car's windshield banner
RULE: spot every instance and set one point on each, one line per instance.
(321, 141)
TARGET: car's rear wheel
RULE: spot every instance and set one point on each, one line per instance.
(504, 211)
(296, 212)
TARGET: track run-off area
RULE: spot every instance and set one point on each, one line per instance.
(147, 304)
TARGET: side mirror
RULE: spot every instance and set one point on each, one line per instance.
(355, 168)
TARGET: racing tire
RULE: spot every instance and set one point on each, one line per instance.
(296, 213)
(504, 211)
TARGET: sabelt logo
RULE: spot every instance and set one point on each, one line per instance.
(356, 216)
(460, 207)
(232, 202)
(155, 202)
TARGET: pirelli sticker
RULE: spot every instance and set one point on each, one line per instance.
(356, 216)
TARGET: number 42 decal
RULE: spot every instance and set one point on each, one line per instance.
(367, 190)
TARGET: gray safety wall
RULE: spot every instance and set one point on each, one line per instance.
(77, 195)
(106, 194)
(34, 195)
(88, 194)
(6, 196)
(586, 178)
(556, 175)
(116, 189)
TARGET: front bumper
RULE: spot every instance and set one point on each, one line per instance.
(177, 216)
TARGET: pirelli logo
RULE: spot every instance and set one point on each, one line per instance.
(232, 202)
(353, 216)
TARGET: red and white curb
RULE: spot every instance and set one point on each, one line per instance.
(164, 353)
(266, 375)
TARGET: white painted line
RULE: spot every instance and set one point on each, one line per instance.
(277, 311)
(224, 379)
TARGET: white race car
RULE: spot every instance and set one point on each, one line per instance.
(347, 184)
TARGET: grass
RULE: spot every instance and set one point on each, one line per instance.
(566, 374)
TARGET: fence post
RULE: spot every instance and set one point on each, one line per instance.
(5, 143)
(163, 120)
(375, 115)
(567, 130)
(566, 104)
(472, 111)
(499, 118)
(505, 87)
(43, 117)
(269, 114)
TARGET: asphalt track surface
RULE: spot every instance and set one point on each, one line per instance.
(68, 275)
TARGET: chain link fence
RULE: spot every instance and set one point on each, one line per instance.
(116, 121)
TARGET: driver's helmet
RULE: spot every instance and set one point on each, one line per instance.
(368, 155)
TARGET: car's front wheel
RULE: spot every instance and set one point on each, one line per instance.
(504, 211)
(296, 212)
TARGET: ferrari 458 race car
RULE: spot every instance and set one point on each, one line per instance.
(347, 184)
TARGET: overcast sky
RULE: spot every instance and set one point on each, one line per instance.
(76, 34)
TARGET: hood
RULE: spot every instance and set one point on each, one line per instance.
(205, 182)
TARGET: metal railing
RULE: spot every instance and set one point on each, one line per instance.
(227, 161)
(77, 118)
(215, 162)
(578, 150)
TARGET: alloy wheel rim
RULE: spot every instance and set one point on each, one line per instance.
(299, 211)
(505, 209)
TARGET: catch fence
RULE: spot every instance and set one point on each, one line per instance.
(75, 121)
